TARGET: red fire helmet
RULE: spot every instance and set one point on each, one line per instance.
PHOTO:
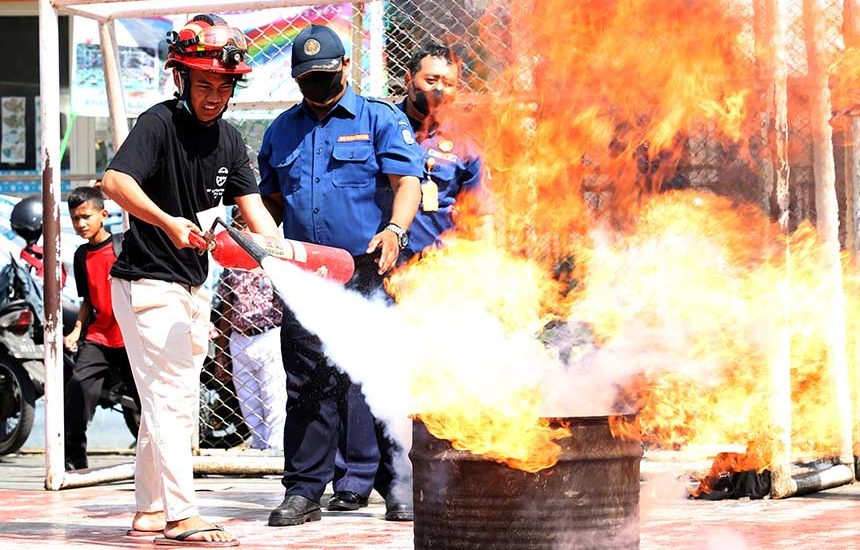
(208, 43)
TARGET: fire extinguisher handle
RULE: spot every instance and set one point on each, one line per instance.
(198, 242)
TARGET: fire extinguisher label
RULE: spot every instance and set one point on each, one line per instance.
(279, 249)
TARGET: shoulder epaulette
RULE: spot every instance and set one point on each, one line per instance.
(293, 108)
(385, 102)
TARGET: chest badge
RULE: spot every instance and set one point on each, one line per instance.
(446, 145)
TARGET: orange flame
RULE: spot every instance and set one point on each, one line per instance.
(579, 134)
(846, 82)
(502, 419)
(710, 278)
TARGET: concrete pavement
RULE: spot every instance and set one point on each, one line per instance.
(96, 517)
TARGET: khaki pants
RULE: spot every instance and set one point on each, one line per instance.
(166, 331)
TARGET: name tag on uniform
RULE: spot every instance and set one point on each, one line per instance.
(353, 137)
(429, 196)
(429, 189)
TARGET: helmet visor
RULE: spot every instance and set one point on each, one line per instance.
(220, 36)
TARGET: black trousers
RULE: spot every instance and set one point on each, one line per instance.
(95, 366)
(326, 413)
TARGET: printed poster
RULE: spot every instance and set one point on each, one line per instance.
(144, 82)
(13, 134)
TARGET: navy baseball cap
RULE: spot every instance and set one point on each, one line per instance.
(317, 48)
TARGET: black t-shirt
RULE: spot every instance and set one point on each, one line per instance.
(185, 168)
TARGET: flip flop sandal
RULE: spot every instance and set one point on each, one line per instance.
(137, 533)
(182, 539)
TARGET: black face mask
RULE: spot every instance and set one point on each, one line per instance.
(423, 100)
(321, 87)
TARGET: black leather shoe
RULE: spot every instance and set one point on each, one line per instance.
(346, 501)
(76, 464)
(295, 510)
(398, 510)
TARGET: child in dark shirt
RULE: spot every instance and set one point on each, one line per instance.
(101, 357)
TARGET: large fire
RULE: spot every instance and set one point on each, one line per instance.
(687, 289)
(494, 407)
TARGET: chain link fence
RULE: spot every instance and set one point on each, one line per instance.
(241, 397)
(238, 403)
(709, 163)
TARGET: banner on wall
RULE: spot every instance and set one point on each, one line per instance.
(270, 33)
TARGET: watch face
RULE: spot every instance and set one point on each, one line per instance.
(402, 236)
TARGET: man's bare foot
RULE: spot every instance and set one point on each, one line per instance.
(148, 521)
(175, 528)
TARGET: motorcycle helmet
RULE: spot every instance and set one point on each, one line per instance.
(26, 219)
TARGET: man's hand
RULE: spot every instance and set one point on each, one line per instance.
(178, 229)
(71, 340)
(388, 242)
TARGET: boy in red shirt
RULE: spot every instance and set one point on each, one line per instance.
(101, 356)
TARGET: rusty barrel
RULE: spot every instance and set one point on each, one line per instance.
(589, 499)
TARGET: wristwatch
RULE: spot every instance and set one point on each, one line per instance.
(402, 237)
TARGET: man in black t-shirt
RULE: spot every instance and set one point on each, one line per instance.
(180, 160)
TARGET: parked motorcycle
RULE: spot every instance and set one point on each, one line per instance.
(22, 374)
(22, 370)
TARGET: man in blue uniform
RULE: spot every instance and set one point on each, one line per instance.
(452, 166)
(344, 171)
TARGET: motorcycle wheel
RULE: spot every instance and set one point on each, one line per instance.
(17, 407)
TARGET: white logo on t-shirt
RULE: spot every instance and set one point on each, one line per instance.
(221, 178)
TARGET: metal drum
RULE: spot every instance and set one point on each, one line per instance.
(589, 499)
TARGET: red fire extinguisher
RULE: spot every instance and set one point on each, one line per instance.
(244, 250)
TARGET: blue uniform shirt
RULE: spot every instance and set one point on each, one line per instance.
(332, 173)
(456, 168)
